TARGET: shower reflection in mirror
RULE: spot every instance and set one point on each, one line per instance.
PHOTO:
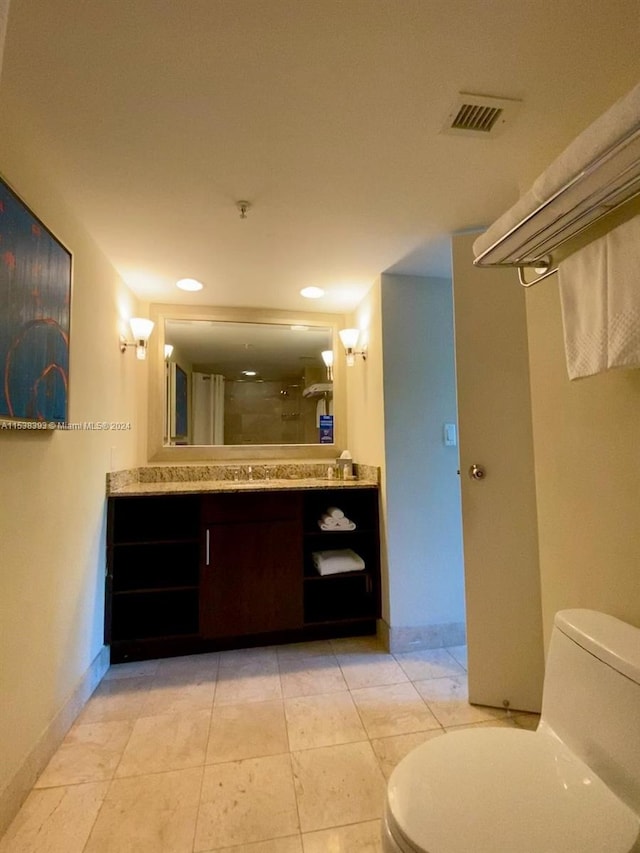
(231, 383)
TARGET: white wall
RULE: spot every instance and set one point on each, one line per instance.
(422, 486)
(365, 409)
(587, 455)
(52, 521)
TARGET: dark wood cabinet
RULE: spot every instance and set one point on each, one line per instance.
(153, 550)
(189, 573)
(250, 580)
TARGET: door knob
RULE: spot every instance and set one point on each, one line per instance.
(477, 472)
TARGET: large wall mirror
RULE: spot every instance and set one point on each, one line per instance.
(234, 383)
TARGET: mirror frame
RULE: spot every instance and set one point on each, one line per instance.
(157, 451)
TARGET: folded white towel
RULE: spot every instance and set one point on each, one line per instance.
(594, 141)
(337, 527)
(611, 127)
(600, 297)
(335, 512)
(336, 562)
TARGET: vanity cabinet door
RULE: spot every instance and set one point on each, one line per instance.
(251, 571)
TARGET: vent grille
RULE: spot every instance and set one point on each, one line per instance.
(480, 115)
(473, 117)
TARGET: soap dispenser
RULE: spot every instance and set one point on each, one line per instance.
(344, 465)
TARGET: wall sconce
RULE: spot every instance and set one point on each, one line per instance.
(141, 329)
(349, 338)
(327, 357)
(168, 351)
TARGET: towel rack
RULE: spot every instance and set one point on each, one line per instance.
(600, 197)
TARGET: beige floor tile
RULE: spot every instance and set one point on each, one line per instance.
(448, 699)
(89, 753)
(314, 648)
(391, 750)
(308, 676)
(526, 721)
(246, 801)
(357, 645)
(291, 844)
(116, 699)
(172, 694)
(369, 670)
(429, 663)
(135, 669)
(55, 820)
(503, 723)
(459, 653)
(337, 785)
(203, 666)
(247, 683)
(264, 656)
(393, 709)
(357, 838)
(249, 730)
(165, 742)
(325, 720)
(148, 814)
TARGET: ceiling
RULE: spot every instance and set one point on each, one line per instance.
(153, 118)
(229, 348)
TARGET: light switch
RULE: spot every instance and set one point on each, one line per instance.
(450, 437)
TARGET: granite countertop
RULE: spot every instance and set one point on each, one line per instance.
(199, 486)
(197, 479)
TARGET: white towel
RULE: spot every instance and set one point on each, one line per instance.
(335, 520)
(594, 141)
(611, 127)
(343, 524)
(600, 296)
(336, 562)
(335, 512)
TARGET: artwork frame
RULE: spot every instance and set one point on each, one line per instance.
(36, 271)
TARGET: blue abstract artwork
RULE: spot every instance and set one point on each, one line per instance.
(35, 297)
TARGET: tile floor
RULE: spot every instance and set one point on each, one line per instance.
(274, 750)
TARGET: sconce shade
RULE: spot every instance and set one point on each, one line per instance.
(349, 337)
(327, 357)
(141, 328)
(168, 350)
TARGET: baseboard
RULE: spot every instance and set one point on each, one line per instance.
(407, 639)
(17, 790)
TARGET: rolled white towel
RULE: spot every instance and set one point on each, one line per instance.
(345, 524)
(336, 528)
(329, 520)
(335, 512)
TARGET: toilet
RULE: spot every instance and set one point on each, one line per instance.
(572, 786)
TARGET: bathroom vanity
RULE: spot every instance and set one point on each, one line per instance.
(200, 566)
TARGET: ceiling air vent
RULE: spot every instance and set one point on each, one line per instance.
(480, 115)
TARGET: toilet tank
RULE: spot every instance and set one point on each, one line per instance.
(591, 696)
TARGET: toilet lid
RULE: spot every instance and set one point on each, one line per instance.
(494, 790)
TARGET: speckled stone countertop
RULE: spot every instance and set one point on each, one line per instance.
(193, 479)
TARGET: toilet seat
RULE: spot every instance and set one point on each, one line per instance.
(500, 790)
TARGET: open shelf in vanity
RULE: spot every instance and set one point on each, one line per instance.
(347, 596)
